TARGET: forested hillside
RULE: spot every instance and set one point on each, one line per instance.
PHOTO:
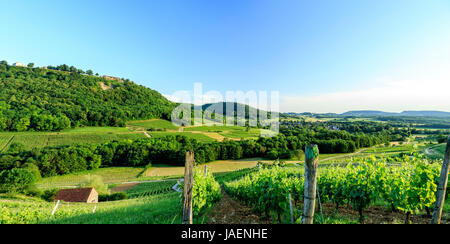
(37, 99)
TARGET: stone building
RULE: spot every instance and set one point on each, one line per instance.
(87, 195)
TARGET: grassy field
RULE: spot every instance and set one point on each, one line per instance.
(157, 209)
(94, 135)
(234, 132)
(97, 129)
(93, 138)
(391, 149)
(109, 175)
(97, 135)
(198, 136)
(4, 139)
(153, 124)
(151, 188)
(440, 149)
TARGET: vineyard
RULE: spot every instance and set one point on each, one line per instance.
(408, 187)
(150, 189)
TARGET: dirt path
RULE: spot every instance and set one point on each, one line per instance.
(229, 211)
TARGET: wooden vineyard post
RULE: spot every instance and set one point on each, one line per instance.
(188, 186)
(311, 165)
(206, 171)
(440, 193)
(290, 207)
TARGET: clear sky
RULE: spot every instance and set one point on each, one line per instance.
(322, 56)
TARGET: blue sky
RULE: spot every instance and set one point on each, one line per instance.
(322, 56)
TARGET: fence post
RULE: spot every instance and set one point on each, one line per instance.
(311, 165)
(206, 170)
(188, 185)
(440, 193)
(290, 206)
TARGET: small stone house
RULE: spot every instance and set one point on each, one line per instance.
(87, 195)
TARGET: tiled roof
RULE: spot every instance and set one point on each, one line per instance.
(74, 195)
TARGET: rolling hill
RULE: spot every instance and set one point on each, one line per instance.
(42, 99)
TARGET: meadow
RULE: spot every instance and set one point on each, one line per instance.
(233, 132)
(198, 136)
(161, 209)
(92, 135)
(152, 124)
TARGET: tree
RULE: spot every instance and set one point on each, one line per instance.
(22, 124)
(89, 72)
(96, 182)
(16, 180)
(16, 148)
(30, 65)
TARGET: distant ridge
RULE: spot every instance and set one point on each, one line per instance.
(375, 113)
(424, 113)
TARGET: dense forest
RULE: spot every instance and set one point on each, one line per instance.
(338, 137)
(55, 98)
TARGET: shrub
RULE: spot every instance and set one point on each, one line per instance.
(267, 190)
(33, 169)
(49, 195)
(32, 191)
(96, 182)
(16, 180)
(16, 148)
(112, 197)
(206, 191)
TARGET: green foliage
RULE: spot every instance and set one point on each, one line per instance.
(16, 148)
(16, 180)
(409, 187)
(151, 188)
(112, 197)
(276, 163)
(162, 209)
(153, 125)
(50, 100)
(233, 175)
(49, 194)
(206, 191)
(31, 166)
(96, 182)
(267, 190)
(359, 186)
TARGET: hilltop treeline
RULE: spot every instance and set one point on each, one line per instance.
(36, 99)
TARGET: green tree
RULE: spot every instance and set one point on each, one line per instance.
(16, 180)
